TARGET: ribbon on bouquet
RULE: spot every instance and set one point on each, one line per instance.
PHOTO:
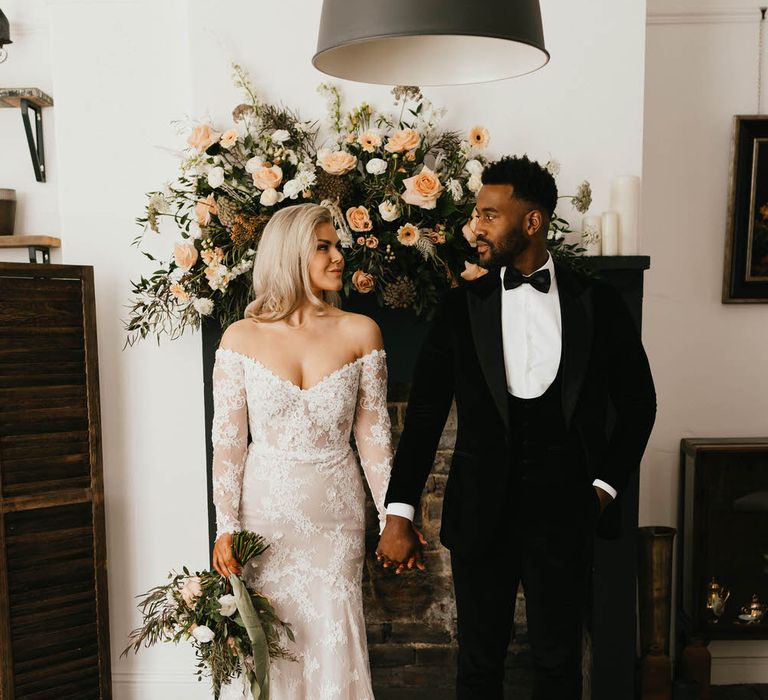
(259, 677)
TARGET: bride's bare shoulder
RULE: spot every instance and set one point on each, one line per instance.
(239, 335)
(361, 331)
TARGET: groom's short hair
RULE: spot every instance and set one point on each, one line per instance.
(530, 181)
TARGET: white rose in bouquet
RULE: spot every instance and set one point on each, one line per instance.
(376, 166)
(228, 605)
(216, 177)
(389, 211)
(203, 634)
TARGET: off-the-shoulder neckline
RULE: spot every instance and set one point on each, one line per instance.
(373, 353)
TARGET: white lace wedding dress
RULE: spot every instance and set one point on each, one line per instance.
(299, 485)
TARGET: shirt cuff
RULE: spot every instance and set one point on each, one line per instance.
(402, 509)
(606, 487)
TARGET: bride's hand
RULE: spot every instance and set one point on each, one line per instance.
(223, 560)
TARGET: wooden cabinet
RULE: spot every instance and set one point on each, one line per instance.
(54, 630)
(723, 525)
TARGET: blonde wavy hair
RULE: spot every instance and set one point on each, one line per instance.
(281, 268)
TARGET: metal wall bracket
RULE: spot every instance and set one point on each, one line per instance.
(30, 99)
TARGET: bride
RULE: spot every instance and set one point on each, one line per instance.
(301, 375)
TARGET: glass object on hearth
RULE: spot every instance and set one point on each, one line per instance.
(717, 596)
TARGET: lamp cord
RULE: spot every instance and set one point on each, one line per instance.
(760, 60)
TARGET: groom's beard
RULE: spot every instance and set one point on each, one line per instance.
(505, 252)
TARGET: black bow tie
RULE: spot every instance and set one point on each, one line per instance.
(539, 280)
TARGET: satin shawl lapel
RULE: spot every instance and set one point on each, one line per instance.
(578, 322)
(484, 302)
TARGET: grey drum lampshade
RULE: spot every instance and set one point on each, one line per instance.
(5, 30)
(429, 42)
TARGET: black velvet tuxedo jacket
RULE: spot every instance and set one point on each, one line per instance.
(608, 398)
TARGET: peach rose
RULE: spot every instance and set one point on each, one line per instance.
(229, 138)
(338, 162)
(191, 591)
(372, 242)
(437, 237)
(185, 255)
(472, 271)
(363, 282)
(403, 140)
(205, 208)
(359, 219)
(360, 240)
(267, 178)
(478, 136)
(203, 137)
(423, 189)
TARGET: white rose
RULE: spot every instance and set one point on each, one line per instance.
(203, 634)
(389, 211)
(474, 167)
(216, 177)
(376, 166)
(292, 189)
(474, 183)
(254, 164)
(270, 197)
(203, 306)
(280, 136)
(227, 605)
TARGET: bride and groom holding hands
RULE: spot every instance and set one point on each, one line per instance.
(555, 403)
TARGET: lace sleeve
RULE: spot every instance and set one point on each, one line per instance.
(372, 430)
(230, 439)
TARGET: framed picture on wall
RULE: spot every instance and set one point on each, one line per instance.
(745, 277)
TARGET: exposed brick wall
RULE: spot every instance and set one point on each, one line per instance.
(411, 618)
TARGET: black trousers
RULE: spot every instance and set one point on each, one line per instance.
(548, 547)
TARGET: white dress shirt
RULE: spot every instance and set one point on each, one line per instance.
(532, 337)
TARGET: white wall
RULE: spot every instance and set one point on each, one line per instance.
(708, 358)
(28, 65)
(121, 71)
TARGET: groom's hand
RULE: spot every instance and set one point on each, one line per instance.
(400, 545)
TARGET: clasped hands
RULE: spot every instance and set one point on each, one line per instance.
(400, 545)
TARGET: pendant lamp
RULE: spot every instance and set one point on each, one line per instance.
(430, 42)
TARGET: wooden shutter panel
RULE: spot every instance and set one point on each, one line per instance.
(54, 630)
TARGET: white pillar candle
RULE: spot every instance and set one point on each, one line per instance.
(610, 233)
(590, 234)
(625, 201)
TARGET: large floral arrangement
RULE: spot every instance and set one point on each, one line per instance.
(402, 189)
(233, 629)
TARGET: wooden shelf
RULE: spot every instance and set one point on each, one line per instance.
(12, 97)
(26, 241)
(35, 245)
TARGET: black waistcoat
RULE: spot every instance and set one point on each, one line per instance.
(543, 450)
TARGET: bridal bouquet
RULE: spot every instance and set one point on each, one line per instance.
(402, 190)
(233, 629)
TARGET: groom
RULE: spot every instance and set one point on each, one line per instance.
(555, 403)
